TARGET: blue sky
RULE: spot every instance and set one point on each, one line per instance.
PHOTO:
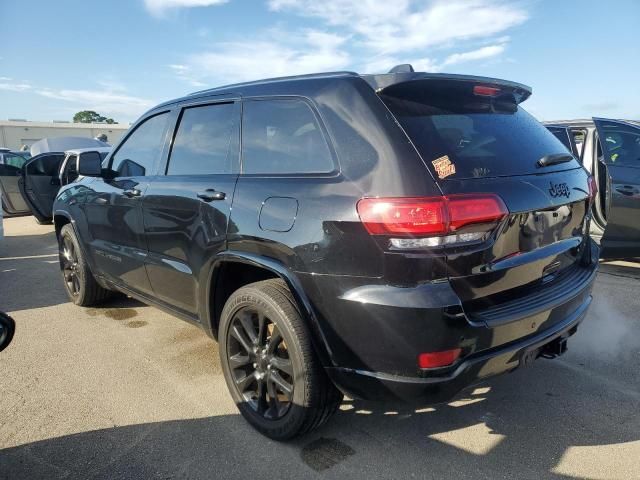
(123, 56)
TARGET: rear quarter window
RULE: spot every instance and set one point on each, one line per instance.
(283, 136)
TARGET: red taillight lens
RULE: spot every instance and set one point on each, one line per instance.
(485, 91)
(593, 187)
(412, 216)
(469, 209)
(415, 217)
(438, 359)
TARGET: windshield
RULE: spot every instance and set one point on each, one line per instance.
(471, 137)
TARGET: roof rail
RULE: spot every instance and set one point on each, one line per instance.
(402, 68)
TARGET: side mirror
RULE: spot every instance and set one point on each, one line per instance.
(7, 328)
(90, 164)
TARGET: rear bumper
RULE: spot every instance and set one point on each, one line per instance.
(475, 368)
(374, 333)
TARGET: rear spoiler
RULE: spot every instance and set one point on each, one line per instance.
(389, 81)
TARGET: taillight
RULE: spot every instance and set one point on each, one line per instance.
(438, 359)
(429, 221)
(593, 188)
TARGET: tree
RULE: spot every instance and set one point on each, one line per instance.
(89, 116)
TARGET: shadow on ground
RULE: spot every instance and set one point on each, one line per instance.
(521, 428)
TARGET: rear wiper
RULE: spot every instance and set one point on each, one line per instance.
(554, 159)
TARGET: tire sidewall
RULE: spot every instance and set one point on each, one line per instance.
(286, 426)
(68, 232)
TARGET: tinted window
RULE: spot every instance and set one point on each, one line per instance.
(282, 137)
(14, 160)
(47, 165)
(204, 140)
(461, 135)
(561, 134)
(620, 143)
(70, 172)
(139, 152)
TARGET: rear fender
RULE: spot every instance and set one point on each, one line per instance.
(279, 270)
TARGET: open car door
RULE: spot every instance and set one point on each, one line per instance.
(10, 168)
(618, 166)
(40, 183)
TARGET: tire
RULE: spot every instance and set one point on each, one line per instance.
(258, 367)
(80, 285)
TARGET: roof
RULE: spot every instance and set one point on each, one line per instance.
(62, 144)
(376, 81)
(78, 151)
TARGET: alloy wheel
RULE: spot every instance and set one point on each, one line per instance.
(259, 361)
(70, 267)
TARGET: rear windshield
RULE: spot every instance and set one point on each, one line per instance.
(464, 136)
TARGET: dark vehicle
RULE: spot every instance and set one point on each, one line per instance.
(610, 150)
(7, 329)
(11, 163)
(43, 175)
(400, 236)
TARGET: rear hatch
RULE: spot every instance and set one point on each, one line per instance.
(475, 138)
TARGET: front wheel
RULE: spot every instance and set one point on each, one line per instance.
(269, 364)
(82, 289)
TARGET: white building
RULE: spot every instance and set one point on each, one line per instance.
(16, 133)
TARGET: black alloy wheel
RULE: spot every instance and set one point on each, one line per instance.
(70, 266)
(260, 364)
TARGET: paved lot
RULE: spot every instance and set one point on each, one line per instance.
(126, 391)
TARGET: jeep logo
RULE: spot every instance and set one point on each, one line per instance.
(559, 190)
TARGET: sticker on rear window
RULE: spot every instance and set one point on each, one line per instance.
(443, 166)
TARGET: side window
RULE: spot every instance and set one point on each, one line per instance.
(140, 151)
(70, 172)
(620, 144)
(14, 160)
(206, 140)
(282, 136)
(46, 165)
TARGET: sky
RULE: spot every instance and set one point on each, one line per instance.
(122, 57)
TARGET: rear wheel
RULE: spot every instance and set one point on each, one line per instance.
(82, 289)
(269, 364)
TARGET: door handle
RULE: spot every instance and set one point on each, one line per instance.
(132, 192)
(209, 195)
(627, 190)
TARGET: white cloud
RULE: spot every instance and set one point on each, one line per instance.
(105, 102)
(8, 85)
(408, 24)
(479, 54)
(375, 33)
(281, 53)
(158, 7)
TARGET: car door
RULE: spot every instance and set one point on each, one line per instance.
(186, 210)
(10, 170)
(620, 162)
(113, 208)
(40, 183)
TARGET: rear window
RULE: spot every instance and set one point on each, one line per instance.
(466, 136)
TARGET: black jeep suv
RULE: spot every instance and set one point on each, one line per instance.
(401, 235)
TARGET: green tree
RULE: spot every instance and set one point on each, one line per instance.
(89, 116)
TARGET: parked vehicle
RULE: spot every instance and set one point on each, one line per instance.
(7, 330)
(610, 150)
(43, 175)
(10, 165)
(401, 236)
